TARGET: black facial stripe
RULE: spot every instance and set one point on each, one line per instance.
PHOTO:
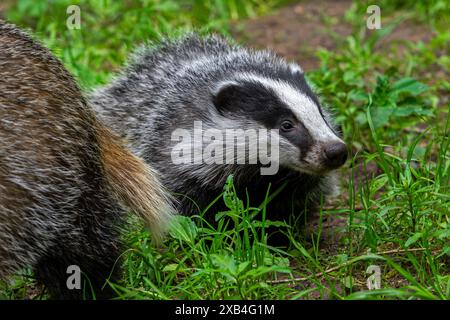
(262, 104)
(298, 81)
(254, 100)
(305, 140)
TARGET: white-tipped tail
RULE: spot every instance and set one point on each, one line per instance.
(135, 183)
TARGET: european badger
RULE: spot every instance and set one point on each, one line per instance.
(219, 85)
(63, 175)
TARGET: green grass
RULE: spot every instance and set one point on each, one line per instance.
(392, 104)
(110, 29)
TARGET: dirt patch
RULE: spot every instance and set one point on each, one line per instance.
(5, 5)
(297, 31)
(406, 31)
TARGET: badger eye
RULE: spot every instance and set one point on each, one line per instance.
(287, 126)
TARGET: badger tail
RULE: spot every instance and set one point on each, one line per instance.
(134, 183)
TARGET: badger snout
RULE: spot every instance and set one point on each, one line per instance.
(334, 155)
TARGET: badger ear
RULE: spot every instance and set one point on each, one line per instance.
(227, 95)
(296, 69)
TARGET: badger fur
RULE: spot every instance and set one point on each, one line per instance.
(65, 179)
(223, 86)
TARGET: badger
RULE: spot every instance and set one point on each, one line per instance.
(171, 91)
(67, 182)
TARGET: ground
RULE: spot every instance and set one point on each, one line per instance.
(298, 31)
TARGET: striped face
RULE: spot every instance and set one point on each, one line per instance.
(308, 141)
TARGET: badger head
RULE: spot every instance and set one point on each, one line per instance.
(308, 141)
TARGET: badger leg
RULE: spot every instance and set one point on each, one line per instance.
(92, 246)
(56, 273)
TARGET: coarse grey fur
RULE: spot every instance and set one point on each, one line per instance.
(173, 84)
(62, 175)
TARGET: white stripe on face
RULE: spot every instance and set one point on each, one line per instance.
(302, 106)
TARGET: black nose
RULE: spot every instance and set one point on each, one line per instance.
(335, 155)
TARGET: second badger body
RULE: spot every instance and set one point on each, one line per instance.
(208, 81)
(66, 181)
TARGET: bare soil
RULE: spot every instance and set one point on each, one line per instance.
(299, 30)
